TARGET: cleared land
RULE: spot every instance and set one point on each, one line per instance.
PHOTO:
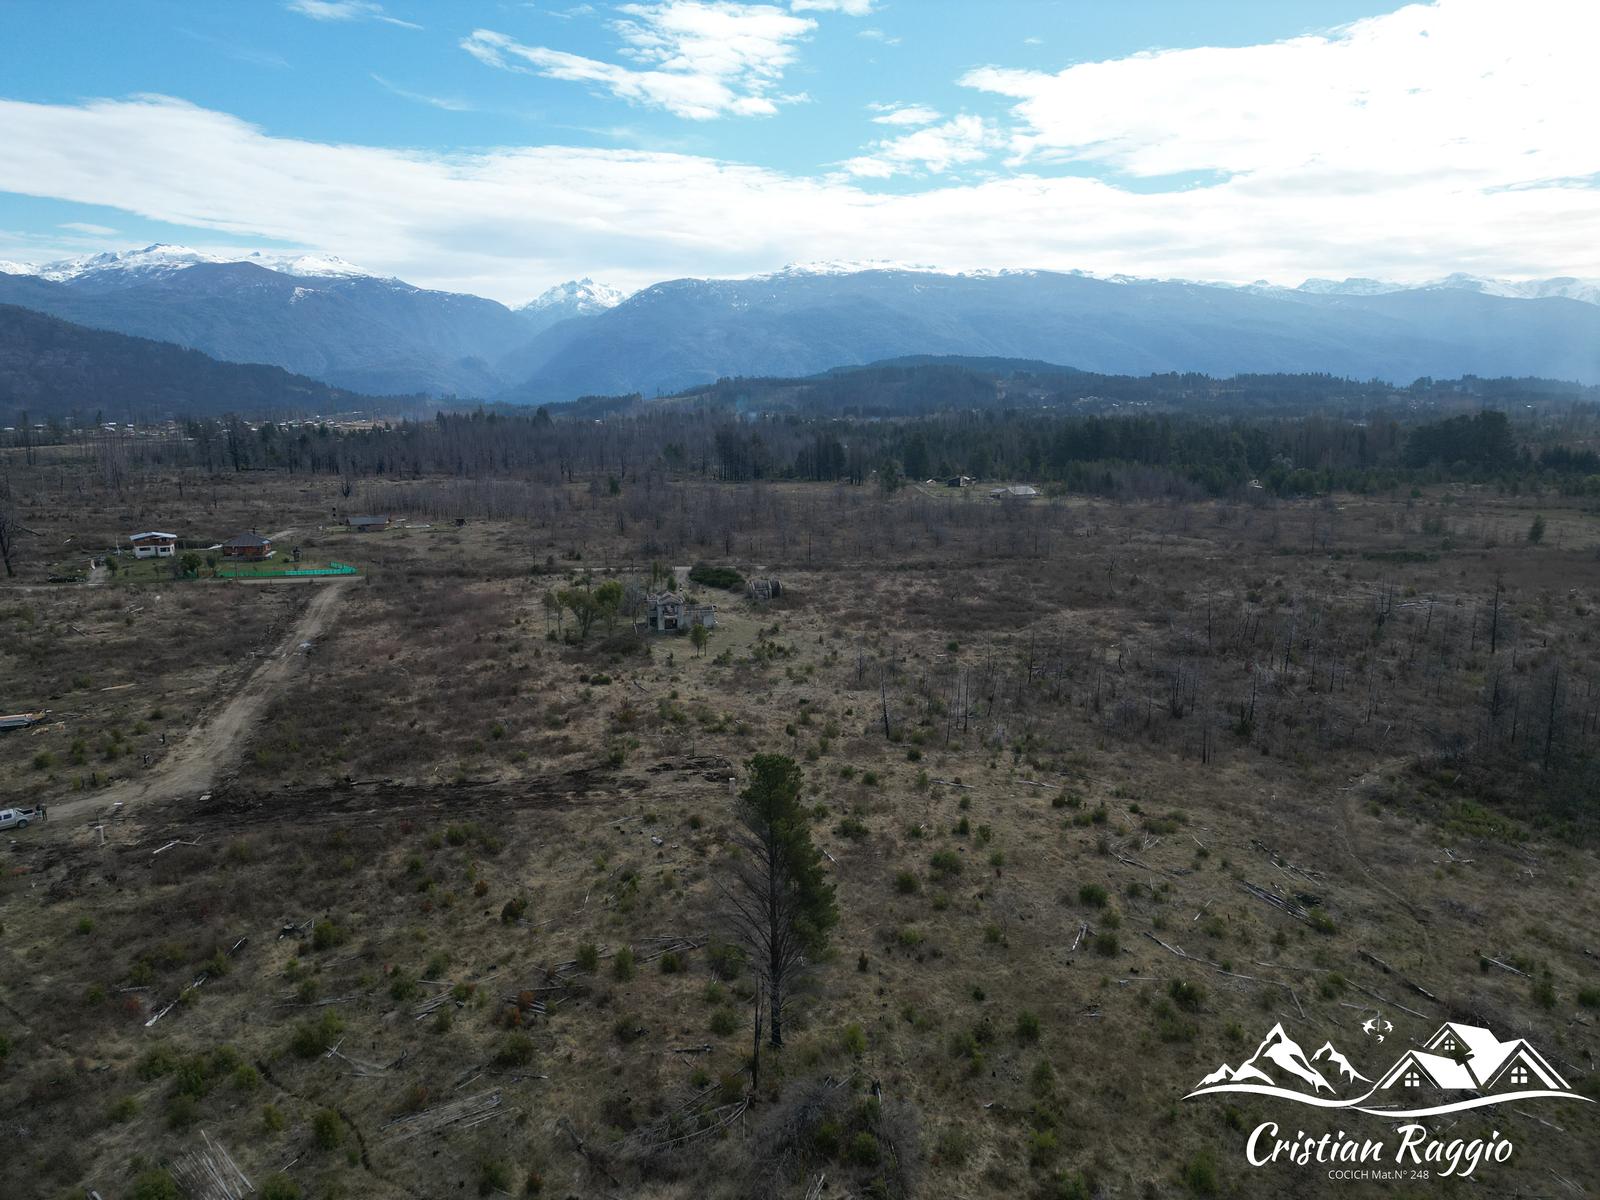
(452, 894)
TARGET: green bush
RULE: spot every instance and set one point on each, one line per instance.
(1093, 895)
(717, 577)
(280, 1187)
(724, 1022)
(515, 1051)
(1200, 1174)
(1027, 1026)
(1187, 996)
(494, 1176)
(622, 964)
(325, 935)
(855, 1040)
(863, 1151)
(183, 1110)
(327, 1130)
(945, 863)
(1043, 1147)
(588, 957)
(905, 883)
(316, 1036)
(155, 1185)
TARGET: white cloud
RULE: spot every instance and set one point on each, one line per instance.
(345, 10)
(697, 60)
(850, 8)
(878, 35)
(937, 148)
(904, 114)
(89, 228)
(1487, 167)
(448, 103)
(1465, 93)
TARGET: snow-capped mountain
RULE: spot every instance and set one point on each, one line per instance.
(576, 297)
(1565, 287)
(320, 316)
(312, 314)
(161, 259)
(7, 267)
(1280, 1062)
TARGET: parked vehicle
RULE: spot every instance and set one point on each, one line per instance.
(17, 818)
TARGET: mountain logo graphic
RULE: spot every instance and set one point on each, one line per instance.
(1459, 1067)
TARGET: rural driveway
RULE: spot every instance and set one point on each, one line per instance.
(213, 745)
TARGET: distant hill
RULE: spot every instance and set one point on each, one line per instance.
(351, 330)
(50, 368)
(693, 331)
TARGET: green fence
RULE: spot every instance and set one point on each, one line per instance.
(235, 571)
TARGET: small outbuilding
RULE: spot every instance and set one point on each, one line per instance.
(251, 547)
(153, 544)
(762, 590)
(367, 524)
(1017, 491)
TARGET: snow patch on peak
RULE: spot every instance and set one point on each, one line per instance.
(1351, 287)
(151, 260)
(7, 267)
(583, 296)
(312, 266)
(162, 259)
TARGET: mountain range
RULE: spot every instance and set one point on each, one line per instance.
(324, 318)
(1280, 1062)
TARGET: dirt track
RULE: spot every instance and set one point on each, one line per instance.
(213, 744)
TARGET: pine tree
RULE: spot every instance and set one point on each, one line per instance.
(779, 898)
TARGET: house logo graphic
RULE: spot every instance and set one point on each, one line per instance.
(1460, 1067)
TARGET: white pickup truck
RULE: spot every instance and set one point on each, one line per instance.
(17, 818)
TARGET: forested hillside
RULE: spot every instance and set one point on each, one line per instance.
(51, 368)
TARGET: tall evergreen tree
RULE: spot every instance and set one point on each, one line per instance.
(779, 898)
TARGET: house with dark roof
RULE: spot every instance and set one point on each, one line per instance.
(251, 547)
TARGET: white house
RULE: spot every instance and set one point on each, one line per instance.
(154, 545)
(1468, 1058)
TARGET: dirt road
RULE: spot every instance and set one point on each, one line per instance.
(214, 744)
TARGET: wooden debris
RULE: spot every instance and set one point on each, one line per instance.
(1083, 931)
(1503, 966)
(1284, 864)
(210, 1173)
(1386, 1000)
(1282, 903)
(1222, 970)
(1388, 970)
(466, 1113)
(174, 842)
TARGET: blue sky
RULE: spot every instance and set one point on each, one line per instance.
(501, 147)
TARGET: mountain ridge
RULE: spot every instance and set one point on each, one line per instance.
(322, 317)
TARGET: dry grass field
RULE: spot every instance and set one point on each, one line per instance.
(443, 918)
